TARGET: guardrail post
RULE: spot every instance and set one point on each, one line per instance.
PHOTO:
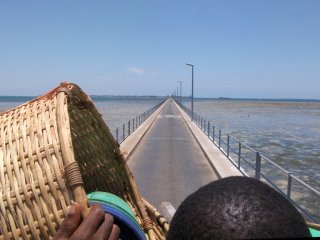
(213, 127)
(123, 132)
(239, 155)
(129, 128)
(258, 165)
(219, 138)
(133, 125)
(204, 125)
(228, 145)
(139, 119)
(117, 135)
(208, 129)
(289, 185)
(137, 122)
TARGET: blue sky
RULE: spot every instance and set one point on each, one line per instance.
(260, 48)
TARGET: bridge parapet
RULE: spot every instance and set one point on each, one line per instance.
(125, 130)
(136, 129)
(252, 163)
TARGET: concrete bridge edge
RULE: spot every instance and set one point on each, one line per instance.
(131, 142)
(218, 161)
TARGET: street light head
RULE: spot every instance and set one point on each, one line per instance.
(189, 64)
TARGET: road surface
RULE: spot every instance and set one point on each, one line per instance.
(168, 163)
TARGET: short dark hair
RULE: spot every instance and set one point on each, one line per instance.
(236, 208)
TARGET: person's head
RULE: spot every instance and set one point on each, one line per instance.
(236, 208)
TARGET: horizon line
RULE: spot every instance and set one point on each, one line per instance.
(184, 97)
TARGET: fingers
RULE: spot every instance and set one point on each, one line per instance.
(107, 229)
(70, 223)
(90, 224)
(97, 225)
(115, 233)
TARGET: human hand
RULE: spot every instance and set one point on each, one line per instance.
(97, 225)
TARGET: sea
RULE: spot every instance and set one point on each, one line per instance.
(287, 131)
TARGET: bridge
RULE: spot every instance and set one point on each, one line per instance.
(171, 156)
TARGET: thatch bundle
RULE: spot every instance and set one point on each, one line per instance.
(54, 150)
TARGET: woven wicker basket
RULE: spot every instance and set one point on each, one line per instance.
(43, 145)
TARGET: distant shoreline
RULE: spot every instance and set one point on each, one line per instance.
(111, 97)
(261, 100)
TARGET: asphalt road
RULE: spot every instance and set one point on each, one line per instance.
(168, 163)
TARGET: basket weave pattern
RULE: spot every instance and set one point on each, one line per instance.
(33, 194)
(42, 144)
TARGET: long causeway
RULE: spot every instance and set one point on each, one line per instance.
(168, 163)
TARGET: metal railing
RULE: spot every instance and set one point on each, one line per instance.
(252, 163)
(126, 129)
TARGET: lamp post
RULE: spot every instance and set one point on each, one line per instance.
(177, 98)
(180, 91)
(191, 65)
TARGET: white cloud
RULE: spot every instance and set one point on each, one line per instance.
(136, 70)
